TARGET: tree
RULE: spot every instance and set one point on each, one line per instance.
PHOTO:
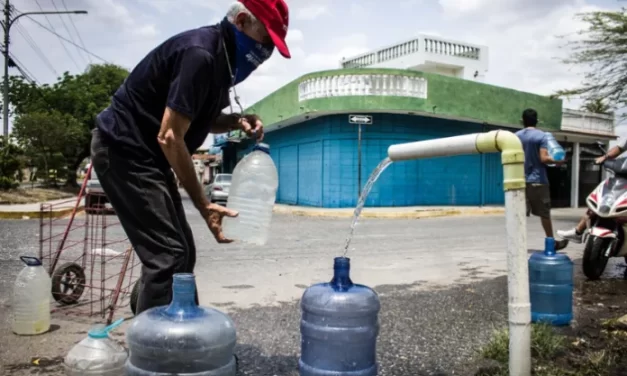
(597, 106)
(81, 96)
(46, 138)
(603, 50)
(10, 163)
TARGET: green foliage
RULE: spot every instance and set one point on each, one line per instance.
(603, 50)
(46, 138)
(545, 346)
(74, 101)
(597, 106)
(10, 163)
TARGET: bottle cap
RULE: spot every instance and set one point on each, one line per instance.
(262, 147)
(99, 332)
(30, 261)
(549, 246)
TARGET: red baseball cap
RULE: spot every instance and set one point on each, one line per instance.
(274, 15)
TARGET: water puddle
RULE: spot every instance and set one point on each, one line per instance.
(362, 199)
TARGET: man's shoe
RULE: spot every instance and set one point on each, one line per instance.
(561, 244)
(570, 235)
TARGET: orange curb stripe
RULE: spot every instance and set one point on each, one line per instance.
(37, 214)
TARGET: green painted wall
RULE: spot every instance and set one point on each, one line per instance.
(452, 97)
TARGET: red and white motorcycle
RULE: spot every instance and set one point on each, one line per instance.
(605, 236)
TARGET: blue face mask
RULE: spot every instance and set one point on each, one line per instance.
(249, 55)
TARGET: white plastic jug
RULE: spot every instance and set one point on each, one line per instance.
(31, 299)
(97, 355)
(253, 193)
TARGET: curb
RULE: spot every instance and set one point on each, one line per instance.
(418, 214)
(37, 214)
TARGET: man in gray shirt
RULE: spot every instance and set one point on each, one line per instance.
(536, 157)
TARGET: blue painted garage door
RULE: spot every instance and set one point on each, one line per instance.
(493, 180)
(310, 174)
(288, 174)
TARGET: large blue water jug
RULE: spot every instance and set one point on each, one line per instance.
(551, 286)
(182, 338)
(556, 151)
(339, 327)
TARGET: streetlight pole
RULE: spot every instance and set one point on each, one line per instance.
(6, 25)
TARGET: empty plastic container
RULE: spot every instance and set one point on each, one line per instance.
(339, 327)
(551, 286)
(31, 299)
(97, 355)
(253, 193)
(556, 151)
(182, 338)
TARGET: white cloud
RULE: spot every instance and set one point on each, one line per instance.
(311, 12)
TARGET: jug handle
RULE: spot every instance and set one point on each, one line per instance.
(30, 261)
(114, 325)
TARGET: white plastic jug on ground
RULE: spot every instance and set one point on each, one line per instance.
(31, 299)
(253, 193)
(97, 355)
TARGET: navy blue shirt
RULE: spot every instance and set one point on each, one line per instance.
(532, 141)
(187, 73)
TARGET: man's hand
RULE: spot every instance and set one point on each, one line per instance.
(253, 126)
(213, 215)
(601, 159)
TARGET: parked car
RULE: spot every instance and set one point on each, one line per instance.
(218, 189)
(95, 198)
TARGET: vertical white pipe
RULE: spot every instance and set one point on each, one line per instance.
(574, 176)
(518, 284)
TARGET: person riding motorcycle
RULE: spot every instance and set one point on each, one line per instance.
(575, 234)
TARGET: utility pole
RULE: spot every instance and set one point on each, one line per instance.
(6, 26)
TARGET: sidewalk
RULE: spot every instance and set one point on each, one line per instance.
(408, 212)
(54, 209)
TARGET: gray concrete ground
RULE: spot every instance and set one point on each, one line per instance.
(441, 281)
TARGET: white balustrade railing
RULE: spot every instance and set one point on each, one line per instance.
(587, 122)
(343, 85)
(423, 44)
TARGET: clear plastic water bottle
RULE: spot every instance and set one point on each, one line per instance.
(97, 355)
(31, 298)
(551, 286)
(556, 151)
(181, 338)
(339, 327)
(253, 193)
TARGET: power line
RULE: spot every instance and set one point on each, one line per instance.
(67, 40)
(62, 44)
(76, 29)
(31, 42)
(23, 70)
(68, 30)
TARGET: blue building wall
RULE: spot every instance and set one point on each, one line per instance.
(317, 162)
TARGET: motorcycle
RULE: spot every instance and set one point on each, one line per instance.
(607, 224)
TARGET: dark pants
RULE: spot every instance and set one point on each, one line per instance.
(539, 200)
(149, 207)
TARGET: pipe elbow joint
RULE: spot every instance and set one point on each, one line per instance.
(512, 156)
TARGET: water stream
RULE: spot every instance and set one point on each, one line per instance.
(362, 199)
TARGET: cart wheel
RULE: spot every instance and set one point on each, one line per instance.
(68, 283)
(135, 296)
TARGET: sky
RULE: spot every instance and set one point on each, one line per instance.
(526, 38)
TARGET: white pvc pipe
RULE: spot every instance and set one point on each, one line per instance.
(519, 306)
(440, 147)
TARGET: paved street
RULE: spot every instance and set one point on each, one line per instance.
(441, 281)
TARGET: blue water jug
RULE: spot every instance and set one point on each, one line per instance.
(339, 327)
(182, 338)
(551, 286)
(556, 151)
